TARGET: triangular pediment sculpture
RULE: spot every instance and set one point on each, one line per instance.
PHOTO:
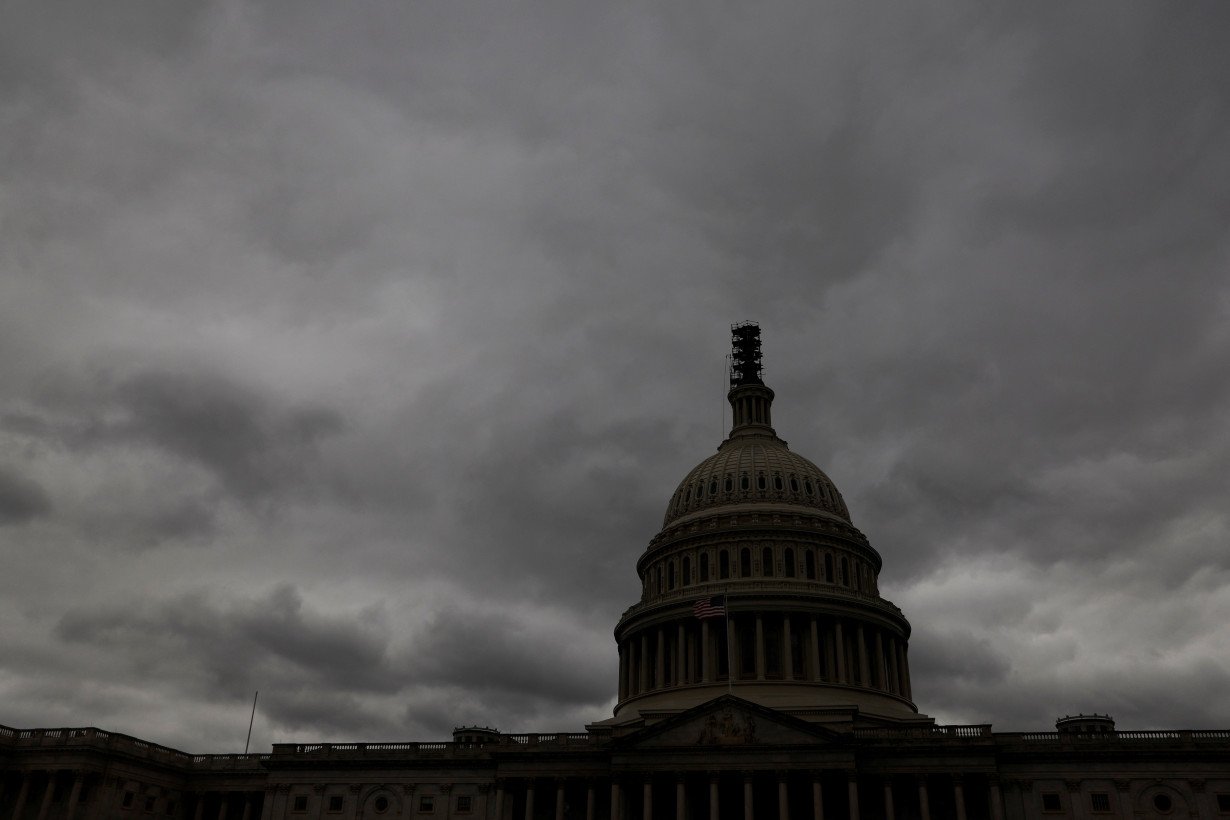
(729, 721)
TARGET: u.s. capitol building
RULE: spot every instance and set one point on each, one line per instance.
(761, 675)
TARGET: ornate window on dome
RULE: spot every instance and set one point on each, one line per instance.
(729, 483)
(713, 487)
(810, 562)
(700, 490)
(777, 482)
(794, 484)
(766, 562)
(744, 483)
(761, 483)
(807, 487)
(723, 565)
(845, 571)
(828, 567)
(745, 563)
(788, 562)
(685, 577)
(659, 580)
(704, 567)
(670, 575)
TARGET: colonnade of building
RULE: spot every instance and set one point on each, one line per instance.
(65, 794)
(765, 646)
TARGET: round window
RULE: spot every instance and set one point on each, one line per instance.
(1162, 803)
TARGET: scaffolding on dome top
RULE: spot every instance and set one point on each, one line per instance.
(745, 364)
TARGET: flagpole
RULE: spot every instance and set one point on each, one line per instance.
(251, 718)
(730, 661)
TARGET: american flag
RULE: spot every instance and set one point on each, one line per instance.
(714, 607)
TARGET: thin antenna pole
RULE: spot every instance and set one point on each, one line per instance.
(725, 378)
(730, 661)
(251, 718)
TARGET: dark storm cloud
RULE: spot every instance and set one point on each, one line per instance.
(414, 314)
(20, 499)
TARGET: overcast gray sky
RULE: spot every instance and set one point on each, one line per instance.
(351, 351)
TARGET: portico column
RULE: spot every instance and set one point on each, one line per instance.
(888, 799)
(864, 670)
(714, 796)
(704, 652)
(749, 807)
(647, 800)
(841, 653)
(783, 798)
(759, 648)
(74, 796)
(787, 655)
(958, 796)
(222, 807)
(924, 808)
(881, 665)
(45, 806)
(247, 807)
(615, 798)
(644, 665)
(499, 800)
(659, 667)
(199, 811)
(267, 803)
(817, 798)
(681, 798)
(681, 657)
(997, 800)
(894, 676)
(852, 792)
(815, 650)
(529, 800)
(590, 801)
(559, 799)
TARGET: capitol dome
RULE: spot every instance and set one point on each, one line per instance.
(759, 585)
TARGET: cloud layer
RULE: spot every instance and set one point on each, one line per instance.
(351, 354)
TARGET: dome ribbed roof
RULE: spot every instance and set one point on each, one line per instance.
(755, 469)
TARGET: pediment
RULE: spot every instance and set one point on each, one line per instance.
(729, 721)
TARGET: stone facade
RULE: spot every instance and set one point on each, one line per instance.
(761, 676)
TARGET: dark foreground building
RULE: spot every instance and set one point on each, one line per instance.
(761, 676)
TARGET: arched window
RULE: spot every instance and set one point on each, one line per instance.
(828, 567)
(670, 575)
(777, 482)
(810, 561)
(704, 567)
(723, 564)
(794, 484)
(745, 563)
(760, 482)
(686, 577)
(729, 484)
(659, 579)
(713, 487)
(743, 482)
(788, 560)
(845, 571)
(766, 562)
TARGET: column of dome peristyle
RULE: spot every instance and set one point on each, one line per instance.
(768, 531)
(753, 409)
